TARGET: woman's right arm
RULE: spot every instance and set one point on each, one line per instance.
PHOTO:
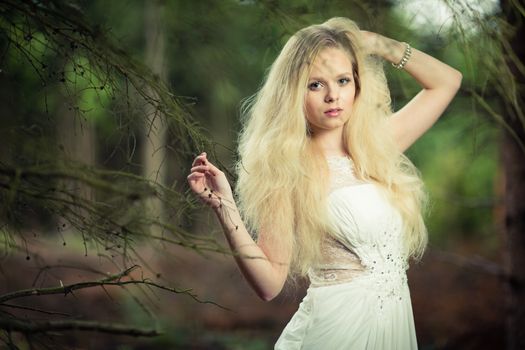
(264, 266)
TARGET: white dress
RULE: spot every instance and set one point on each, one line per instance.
(358, 296)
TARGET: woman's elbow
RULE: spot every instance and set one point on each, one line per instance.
(456, 79)
(271, 286)
(271, 290)
(268, 295)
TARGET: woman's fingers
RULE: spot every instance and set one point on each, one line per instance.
(200, 159)
(206, 176)
(195, 176)
(197, 183)
(213, 169)
(200, 168)
(204, 170)
(209, 167)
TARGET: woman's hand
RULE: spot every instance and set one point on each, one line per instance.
(377, 44)
(372, 43)
(209, 183)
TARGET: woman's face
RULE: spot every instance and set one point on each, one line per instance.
(331, 91)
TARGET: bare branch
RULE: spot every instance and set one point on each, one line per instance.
(74, 325)
(66, 289)
(113, 280)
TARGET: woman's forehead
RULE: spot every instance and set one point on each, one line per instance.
(331, 61)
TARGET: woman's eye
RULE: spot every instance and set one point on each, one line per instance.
(344, 81)
(316, 85)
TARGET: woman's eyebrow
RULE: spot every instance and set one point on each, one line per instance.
(338, 75)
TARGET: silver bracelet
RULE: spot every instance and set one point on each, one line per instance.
(405, 58)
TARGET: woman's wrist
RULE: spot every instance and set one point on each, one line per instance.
(226, 210)
(384, 47)
(230, 219)
(391, 50)
(404, 60)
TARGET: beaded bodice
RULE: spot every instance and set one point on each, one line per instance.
(367, 238)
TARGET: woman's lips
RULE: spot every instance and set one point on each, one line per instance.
(333, 112)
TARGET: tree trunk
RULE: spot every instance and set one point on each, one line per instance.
(514, 163)
(513, 158)
(154, 153)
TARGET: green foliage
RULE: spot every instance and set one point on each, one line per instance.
(459, 161)
(81, 70)
(69, 78)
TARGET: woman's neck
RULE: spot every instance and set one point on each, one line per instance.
(330, 143)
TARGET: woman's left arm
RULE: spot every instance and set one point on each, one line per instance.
(439, 81)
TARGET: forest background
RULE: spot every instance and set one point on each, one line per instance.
(104, 105)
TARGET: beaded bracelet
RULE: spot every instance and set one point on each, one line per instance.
(405, 58)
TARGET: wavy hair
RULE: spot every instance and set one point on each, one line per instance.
(280, 188)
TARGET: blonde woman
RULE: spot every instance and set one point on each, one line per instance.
(324, 186)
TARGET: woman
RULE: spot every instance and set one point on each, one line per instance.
(325, 185)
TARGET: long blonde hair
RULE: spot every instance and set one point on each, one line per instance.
(280, 172)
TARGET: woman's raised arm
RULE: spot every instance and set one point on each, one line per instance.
(439, 81)
(264, 266)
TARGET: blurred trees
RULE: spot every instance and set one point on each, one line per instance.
(60, 73)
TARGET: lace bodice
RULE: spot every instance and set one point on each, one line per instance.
(342, 172)
(338, 264)
(367, 238)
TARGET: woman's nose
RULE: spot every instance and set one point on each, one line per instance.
(332, 95)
